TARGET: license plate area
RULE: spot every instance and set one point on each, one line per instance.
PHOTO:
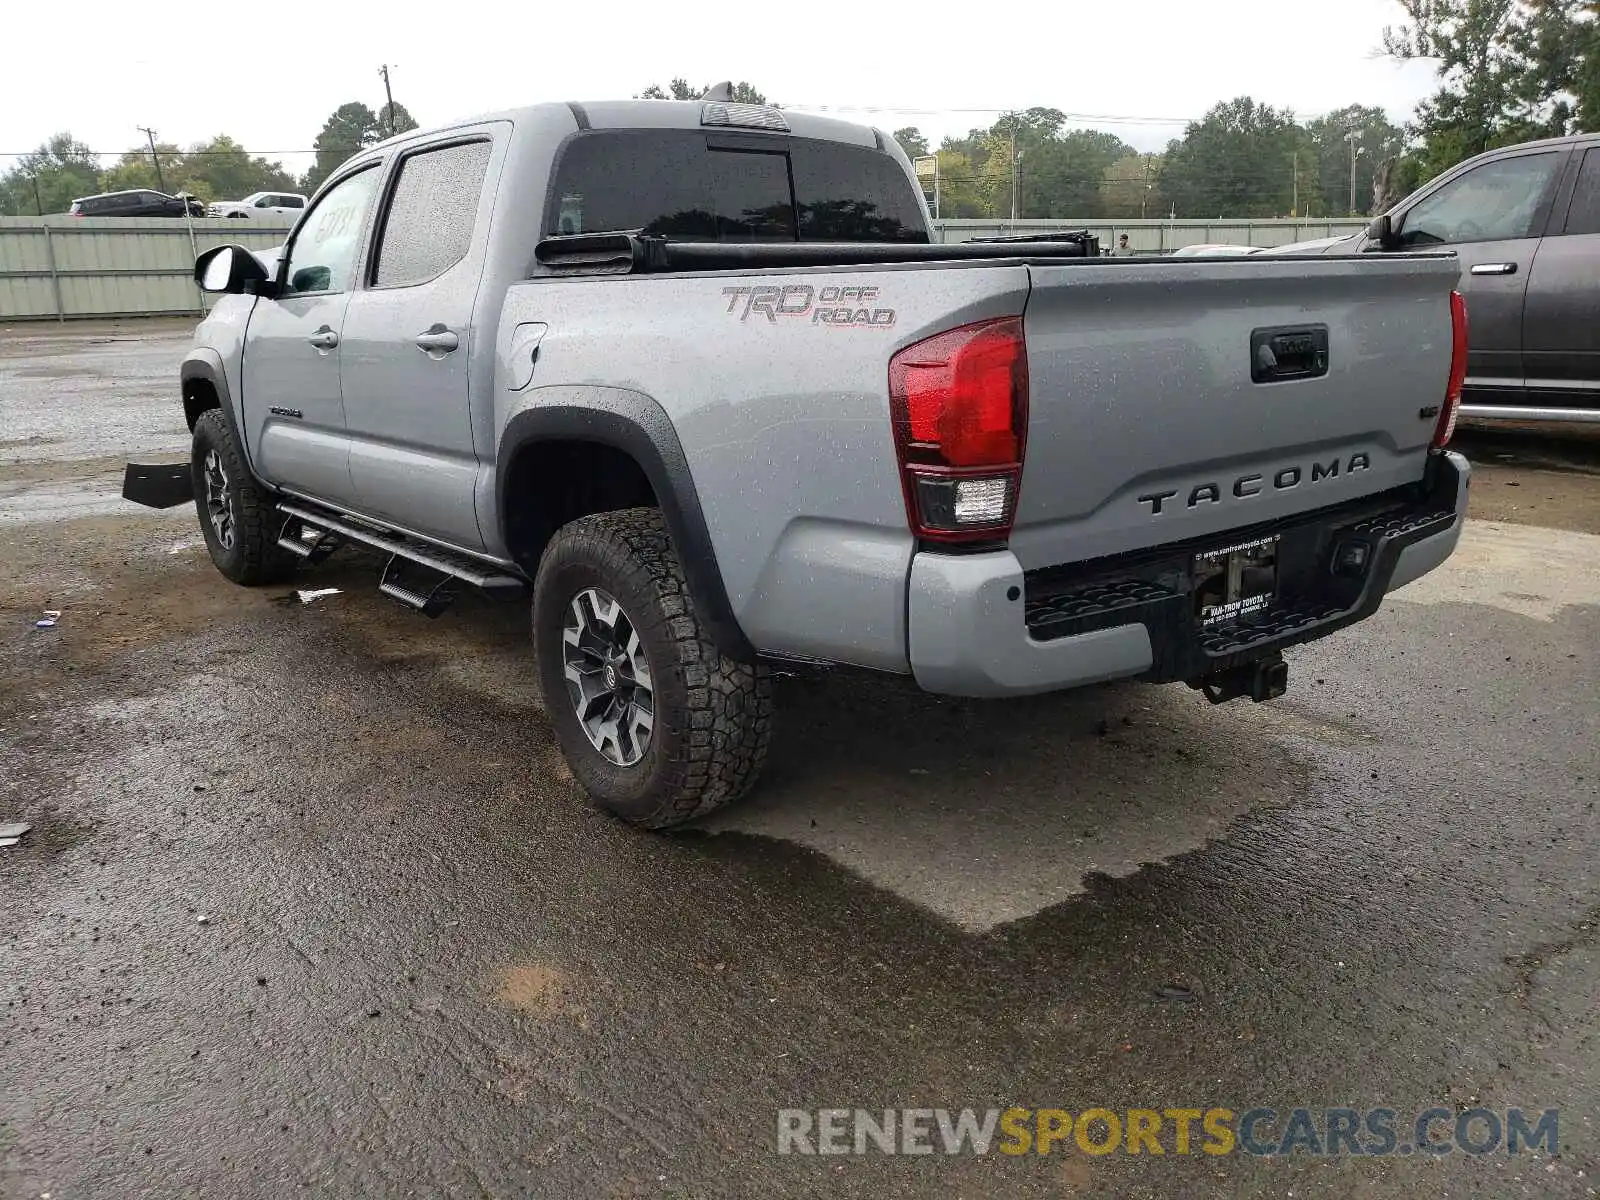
(1235, 581)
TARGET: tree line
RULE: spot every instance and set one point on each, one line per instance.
(50, 178)
(1508, 71)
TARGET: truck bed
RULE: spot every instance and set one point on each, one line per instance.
(1140, 386)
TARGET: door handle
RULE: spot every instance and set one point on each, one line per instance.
(1494, 268)
(437, 341)
(324, 339)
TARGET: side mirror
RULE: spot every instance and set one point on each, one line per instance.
(231, 269)
(1380, 230)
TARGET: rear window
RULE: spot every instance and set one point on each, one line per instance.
(686, 185)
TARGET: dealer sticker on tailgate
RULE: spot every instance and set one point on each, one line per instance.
(1235, 581)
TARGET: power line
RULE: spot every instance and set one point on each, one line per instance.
(173, 151)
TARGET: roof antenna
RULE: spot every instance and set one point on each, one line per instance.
(719, 91)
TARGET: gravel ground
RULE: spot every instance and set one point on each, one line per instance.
(311, 903)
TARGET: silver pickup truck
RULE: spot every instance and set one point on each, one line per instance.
(694, 373)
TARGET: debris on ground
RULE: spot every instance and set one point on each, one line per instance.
(13, 832)
(1175, 991)
(308, 595)
(48, 619)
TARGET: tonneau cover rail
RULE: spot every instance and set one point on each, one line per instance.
(640, 254)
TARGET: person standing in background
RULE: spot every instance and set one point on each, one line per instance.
(1123, 250)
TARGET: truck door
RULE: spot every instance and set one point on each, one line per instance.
(1490, 216)
(408, 345)
(292, 409)
(1561, 323)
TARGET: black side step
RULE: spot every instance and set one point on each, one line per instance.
(312, 552)
(432, 599)
(399, 584)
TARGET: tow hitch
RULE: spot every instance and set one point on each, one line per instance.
(1265, 678)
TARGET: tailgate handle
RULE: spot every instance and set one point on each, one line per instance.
(1299, 352)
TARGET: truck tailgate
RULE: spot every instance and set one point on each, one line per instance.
(1148, 425)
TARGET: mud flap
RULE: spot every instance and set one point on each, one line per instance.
(165, 486)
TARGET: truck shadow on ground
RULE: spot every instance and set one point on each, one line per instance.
(983, 811)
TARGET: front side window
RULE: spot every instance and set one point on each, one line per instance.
(432, 213)
(1495, 202)
(323, 257)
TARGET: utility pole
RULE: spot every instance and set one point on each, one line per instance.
(1351, 138)
(154, 157)
(1013, 170)
(38, 204)
(1294, 208)
(1016, 184)
(388, 95)
(1144, 197)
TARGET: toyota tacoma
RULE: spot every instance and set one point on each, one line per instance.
(694, 375)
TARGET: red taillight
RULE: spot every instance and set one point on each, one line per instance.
(1458, 372)
(959, 402)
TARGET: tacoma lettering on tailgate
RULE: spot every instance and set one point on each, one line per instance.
(1246, 486)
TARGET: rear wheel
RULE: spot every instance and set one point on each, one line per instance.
(237, 518)
(658, 726)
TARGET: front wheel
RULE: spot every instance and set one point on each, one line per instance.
(237, 518)
(657, 725)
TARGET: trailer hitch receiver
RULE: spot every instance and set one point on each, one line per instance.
(1265, 678)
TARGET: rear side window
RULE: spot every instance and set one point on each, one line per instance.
(681, 184)
(431, 214)
(1584, 214)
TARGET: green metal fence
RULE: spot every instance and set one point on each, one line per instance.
(62, 268)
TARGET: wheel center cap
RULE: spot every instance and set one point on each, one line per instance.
(611, 676)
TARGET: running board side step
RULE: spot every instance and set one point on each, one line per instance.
(430, 600)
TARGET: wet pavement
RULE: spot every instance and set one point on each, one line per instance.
(311, 904)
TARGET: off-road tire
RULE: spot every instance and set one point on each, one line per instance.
(254, 558)
(713, 713)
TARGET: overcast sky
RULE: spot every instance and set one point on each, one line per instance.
(269, 73)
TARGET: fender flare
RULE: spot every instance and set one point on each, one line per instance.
(204, 363)
(637, 425)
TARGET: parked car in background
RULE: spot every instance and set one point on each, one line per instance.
(1214, 249)
(1525, 223)
(139, 202)
(260, 204)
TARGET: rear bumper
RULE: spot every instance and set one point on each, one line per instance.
(978, 625)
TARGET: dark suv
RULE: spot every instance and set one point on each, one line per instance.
(1525, 223)
(140, 203)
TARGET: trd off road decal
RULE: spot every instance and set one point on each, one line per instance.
(837, 306)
